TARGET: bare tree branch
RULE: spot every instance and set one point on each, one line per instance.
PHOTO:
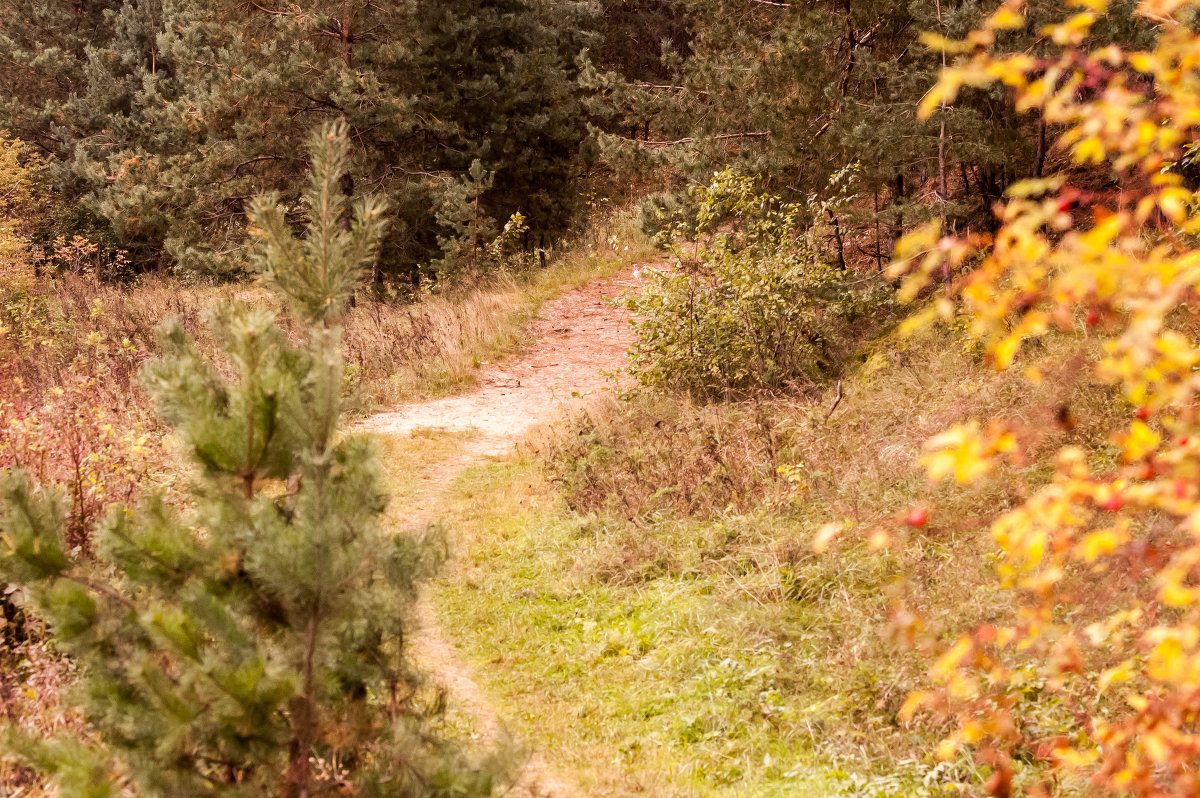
(691, 140)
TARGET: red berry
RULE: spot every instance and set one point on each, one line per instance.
(918, 516)
(1114, 503)
(1065, 205)
(1143, 413)
(1093, 317)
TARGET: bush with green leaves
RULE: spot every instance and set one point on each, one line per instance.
(252, 642)
(750, 301)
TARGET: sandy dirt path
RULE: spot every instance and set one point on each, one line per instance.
(580, 338)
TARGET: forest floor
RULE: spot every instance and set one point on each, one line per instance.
(578, 351)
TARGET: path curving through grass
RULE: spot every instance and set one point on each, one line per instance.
(581, 340)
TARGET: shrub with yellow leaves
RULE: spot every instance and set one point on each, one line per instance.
(1105, 558)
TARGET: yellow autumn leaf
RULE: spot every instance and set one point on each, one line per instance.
(1089, 150)
(944, 91)
(1004, 442)
(1121, 673)
(1142, 62)
(1176, 595)
(1155, 747)
(1006, 18)
(952, 658)
(1140, 441)
(1005, 352)
(1173, 202)
(915, 701)
(1167, 662)
(1099, 543)
(1075, 758)
(959, 452)
(1073, 30)
(971, 732)
(917, 321)
(939, 43)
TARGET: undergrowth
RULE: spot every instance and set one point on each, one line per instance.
(754, 301)
(642, 590)
(72, 411)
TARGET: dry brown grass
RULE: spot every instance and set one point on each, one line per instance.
(653, 454)
(71, 326)
(657, 456)
(393, 349)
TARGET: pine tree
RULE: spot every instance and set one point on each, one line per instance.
(792, 92)
(165, 117)
(498, 86)
(252, 642)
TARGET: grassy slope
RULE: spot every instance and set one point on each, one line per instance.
(661, 688)
(662, 647)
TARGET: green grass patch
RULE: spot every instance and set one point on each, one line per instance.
(415, 473)
(675, 680)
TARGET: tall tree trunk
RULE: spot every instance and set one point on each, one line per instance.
(346, 184)
(1039, 160)
(943, 195)
(299, 773)
(837, 236)
(878, 234)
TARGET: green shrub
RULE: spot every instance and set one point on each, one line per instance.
(750, 302)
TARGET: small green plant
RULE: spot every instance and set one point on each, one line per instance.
(468, 228)
(750, 302)
(503, 250)
(250, 643)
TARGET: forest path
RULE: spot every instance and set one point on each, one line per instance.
(580, 337)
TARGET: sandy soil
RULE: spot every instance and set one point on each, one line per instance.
(581, 338)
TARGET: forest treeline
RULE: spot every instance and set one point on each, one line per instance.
(154, 122)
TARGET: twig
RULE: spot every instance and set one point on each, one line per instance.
(670, 87)
(837, 400)
(690, 140)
